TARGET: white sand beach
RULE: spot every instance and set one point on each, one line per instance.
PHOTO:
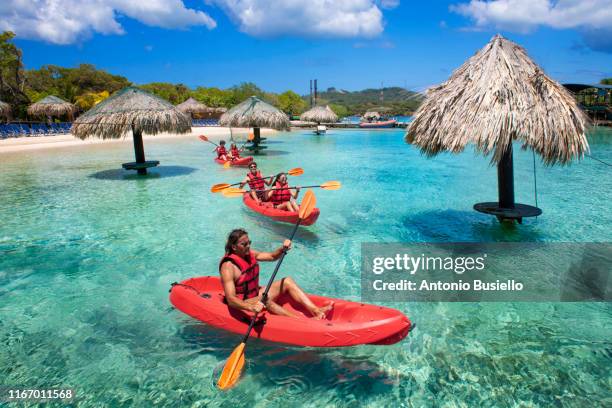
(214, 133)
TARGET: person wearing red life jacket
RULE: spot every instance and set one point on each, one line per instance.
(257, 183)
(221, 151)
(281, 196)
(239, 269)
(234, 153)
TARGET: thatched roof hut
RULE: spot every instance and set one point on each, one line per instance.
(320, 114)
(131, 110)
(52, 106)
(255, 113)
(191, 106)
(497, 96)
(5, 109)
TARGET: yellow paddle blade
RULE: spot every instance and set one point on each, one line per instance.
(331, 185)
(227, 164)
(233, 368)
(233, 192)
(308, 204)
(298, 171)
(219, 187)
(251, 136)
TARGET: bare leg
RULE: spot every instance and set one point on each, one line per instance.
(288, 285)
(254, 197)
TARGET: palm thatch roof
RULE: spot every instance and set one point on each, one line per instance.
(130, 109)
(5, 109)
(192, 106)
(320, 114)
(497, 96)
(255, 113)
(51, 106)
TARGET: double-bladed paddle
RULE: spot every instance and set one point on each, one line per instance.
(217, 188)
(234, 364)
(238, 192)
(228, 163)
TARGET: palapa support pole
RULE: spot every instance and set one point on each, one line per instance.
(256, 136)
(506, 209)
(505, 179)
(139, 150)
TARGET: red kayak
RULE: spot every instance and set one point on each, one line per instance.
(241, 162)
(268, 210)
(347, 324)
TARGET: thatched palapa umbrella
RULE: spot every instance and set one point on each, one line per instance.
(5, 110)
(255, 113)
(499, 96)
(320, 114)
(52, 106)
(191, 107)
(131, 110)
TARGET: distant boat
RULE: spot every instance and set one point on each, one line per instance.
(373, 120)
(321, 130)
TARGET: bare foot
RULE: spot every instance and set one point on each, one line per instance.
(321, 312)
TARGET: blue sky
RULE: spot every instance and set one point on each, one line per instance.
(280, 45)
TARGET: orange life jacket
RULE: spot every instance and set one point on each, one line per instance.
(282, 195)
(247, 284)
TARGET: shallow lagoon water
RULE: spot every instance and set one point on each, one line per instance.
(88, 252)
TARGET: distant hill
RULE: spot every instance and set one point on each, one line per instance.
(397, 100)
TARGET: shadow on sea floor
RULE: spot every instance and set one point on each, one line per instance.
(294, 370)
(153, 173)
(282, 229)
(466, 226)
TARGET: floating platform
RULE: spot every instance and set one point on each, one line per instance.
(517, 213)
(140, 166)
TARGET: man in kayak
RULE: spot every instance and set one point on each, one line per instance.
(221, 151)
(257, 183)
(281, 195)
(239, 270)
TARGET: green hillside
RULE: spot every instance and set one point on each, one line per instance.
(397, 101)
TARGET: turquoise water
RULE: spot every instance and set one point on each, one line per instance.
(87, 256)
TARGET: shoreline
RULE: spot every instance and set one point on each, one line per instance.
(21, 144)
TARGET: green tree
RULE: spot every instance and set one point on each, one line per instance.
(71, 83)
(339, 110)
(244, 91)
(173, 93)
(606, 81)
(12, 81)
(291, 103)
(213, 97)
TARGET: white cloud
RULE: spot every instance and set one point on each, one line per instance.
(310, 18)
(526, 15)
(68, 21)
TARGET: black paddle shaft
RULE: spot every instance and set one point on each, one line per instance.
(264, 297)
(289, 188)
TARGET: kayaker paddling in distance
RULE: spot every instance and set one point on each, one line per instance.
(257, 183)
(221, 151)
(239, 269)
(234, 153)
(281, 196)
